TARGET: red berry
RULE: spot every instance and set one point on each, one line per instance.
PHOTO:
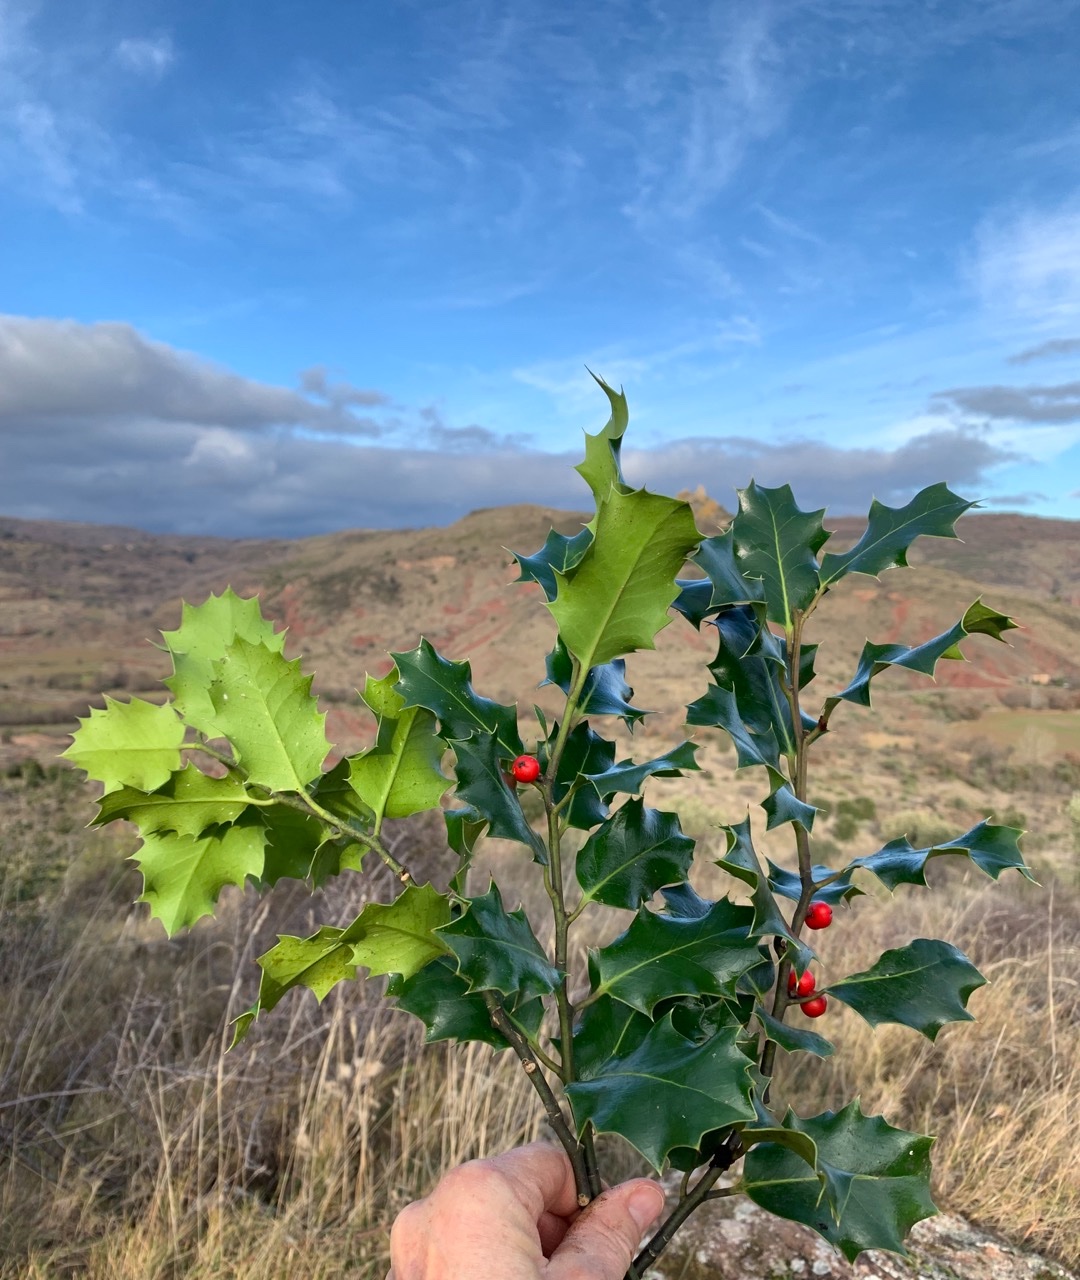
(801, 986)
(526, 768)
(819, 916)
(815, 1008)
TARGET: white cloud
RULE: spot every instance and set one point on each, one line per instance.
(1026, 263)
(145, 56)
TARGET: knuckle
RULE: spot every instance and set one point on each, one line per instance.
(469, 1180)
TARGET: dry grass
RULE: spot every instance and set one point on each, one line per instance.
(135, 1147)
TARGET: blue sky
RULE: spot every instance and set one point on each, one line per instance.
(276, 268)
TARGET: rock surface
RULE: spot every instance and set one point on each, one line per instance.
(735, 1240)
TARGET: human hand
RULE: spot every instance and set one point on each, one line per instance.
(516, 1217)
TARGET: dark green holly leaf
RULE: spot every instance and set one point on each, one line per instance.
(601, 470)
(777, 543)
(441, 999)
(128, 744)
(783, 805)
(605, 692)
(890, 531)
(585, 752)
(667, 1092)
(635, 852)
(662, 955)
(793, 1039)
(741, 861)
(606, 1030)
(835, 1184)
(788, 885)
(694, 600)
(629, 777)
(923, 985)
(497, 950)
(293, 840)
(264, 706)
(482, 786)
(888, 1169)
(992, 848)
(923, 658)
(188, 804)
(444, 687)
(760, 980)
(749, 661)
(558, 553)
(464, 828)
(724, 564)
(183, 875)
(684, 902)
(617, 598)
(717, 708)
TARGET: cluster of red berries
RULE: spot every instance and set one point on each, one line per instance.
(818, 917)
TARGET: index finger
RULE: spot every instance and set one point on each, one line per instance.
(543, 1178)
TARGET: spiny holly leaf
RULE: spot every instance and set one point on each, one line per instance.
(205, 632)
(720, 560)
(585, 752)
(293, 842)
(793, 1039)
(128, 744)
(628, 777)
(777, 543)
(398, 937)
(183, 875)
(923, 985)
(617, 598)
(464, 827)
(835, 1184)
(263, 705)
(694, 600)
(788, 885)
(634, 853)
(482, 786)
(889, 1171)
(188, 804)
(741, 861)
(992, 848)
(605, 692)
(890, 531)
(601, 468)
(444, 687)
(558, 553)
(606, 1030)
(667, 1092)
(400, 774)
(783, 805)
(496, 949)
(661, 955)
(718, 708)
(923, 658)
(443, 1003)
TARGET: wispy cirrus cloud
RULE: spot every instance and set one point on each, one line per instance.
(146, 55)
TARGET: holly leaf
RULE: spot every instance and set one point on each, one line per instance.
(558, 554)
(992, 848)
(777, 543)
(749, 661)
(788, 884)
(605, 692)
(264, 706)
(482, 786)
(923, 985)
(601, 470)
(793, 1039)
(444, 687)
(605, 1031)
(741, 861)
(718, 708)
(634, 853)
(694, 600)
(464, 827)
(441, 999)
(204, 634)
(890, 531)
(617, 598)
(293, 844)
(398, 937)
(662, 955)
(188, 804)
(497, 950)
(183, 875)
(923, 658)
(888, 1172)
(667, 1092)
(783, 805)
(629, 777)
(585, 752)
(128, 744)
(720, 561)
(400, 774)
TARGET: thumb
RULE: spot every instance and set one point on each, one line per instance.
(602, 1241)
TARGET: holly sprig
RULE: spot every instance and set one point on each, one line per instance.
(669, 1037)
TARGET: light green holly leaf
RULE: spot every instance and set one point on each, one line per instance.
(601, 470)
(263, 705)
(183, 875)
(188, 804)
(128, 744)
(205, 632)
(400, 774)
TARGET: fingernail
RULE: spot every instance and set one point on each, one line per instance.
(645, 1204)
